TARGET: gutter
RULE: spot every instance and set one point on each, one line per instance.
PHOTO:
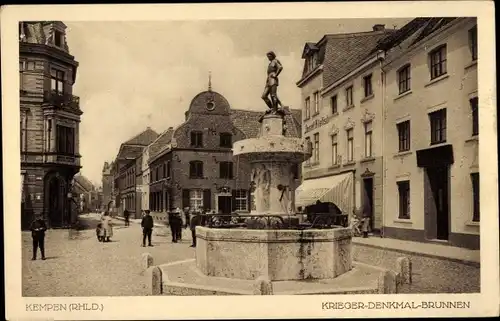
(380, 55)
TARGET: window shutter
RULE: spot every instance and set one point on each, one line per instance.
(185, 198)
(193, 138)
(231, 170)
(233, 200)
(207, 201)
(200, 170)
(192, 169)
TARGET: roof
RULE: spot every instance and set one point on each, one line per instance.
(145, 138)
(341, 53)
(160, 143)
(130, 151)
(248, 122)
(82, 183)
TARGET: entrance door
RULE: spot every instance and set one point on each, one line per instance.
(438, 180)
(56, 206)
(224, 204)
(368, 199)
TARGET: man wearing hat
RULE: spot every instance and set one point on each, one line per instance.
(147, 228)
(174, 218)
(38, 228)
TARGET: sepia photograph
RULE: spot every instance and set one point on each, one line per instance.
(168, 158)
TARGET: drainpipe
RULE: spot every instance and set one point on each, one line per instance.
(383, 79)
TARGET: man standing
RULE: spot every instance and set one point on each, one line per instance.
(38, 228)
(194, 222)
(147, 228)
(273, 70)
(171, 223)
(126, 215)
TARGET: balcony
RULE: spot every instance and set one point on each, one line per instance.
(61, 100)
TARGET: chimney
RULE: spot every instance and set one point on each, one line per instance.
(379, 27)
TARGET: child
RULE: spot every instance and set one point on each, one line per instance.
(100, 232)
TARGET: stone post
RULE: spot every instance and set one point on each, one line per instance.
(404, 269)
(263, 286)
(146, 261)
(387, 282)
(156, 281)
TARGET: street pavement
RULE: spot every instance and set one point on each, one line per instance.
(78, 265)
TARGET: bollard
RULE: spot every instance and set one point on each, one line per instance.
(387, 282)
(404, 268)
(156, 281)
(263, 286)
(146, 261)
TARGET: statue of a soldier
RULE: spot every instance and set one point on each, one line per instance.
(272, 82)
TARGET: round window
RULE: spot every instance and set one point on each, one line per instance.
(210, 105)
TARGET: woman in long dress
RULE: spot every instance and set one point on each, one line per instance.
(107, 226)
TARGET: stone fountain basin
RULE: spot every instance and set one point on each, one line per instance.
(271, 147)
(275, 254)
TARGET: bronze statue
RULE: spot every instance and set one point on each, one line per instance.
(272, 82)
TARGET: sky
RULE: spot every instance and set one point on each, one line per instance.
(132, 75)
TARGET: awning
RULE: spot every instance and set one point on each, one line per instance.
(337, 189)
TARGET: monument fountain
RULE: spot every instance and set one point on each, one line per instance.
(269, 251)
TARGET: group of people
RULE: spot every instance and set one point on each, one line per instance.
(104, 230)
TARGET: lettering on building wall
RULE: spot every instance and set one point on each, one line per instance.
(318, 123)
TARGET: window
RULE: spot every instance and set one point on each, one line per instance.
(368, 139)
(196, 198)
(309, 145)
(169, 169)
(58, 38)
(196, 139)
(438, 126)
(350, 145)
(473, 42)
(475, 196)
(30, 65)
(65, 140)
(438, 62)
(404, 79)
(367, 85)
(241, 200)
(226, 140)
(475, 116)
(316, 148)
(308, 108)
(333, 104)
(316, 102)
(404, 199)
(226, 170)
(334, 150)
(196, 169)
(57, 80)
(348, 97)
(404, 136)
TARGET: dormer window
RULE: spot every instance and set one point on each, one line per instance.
(58, 38)
(196, 139)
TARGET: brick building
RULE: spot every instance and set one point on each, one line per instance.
(343, 116)
(192, 165)
(50, 117)
(127, 172)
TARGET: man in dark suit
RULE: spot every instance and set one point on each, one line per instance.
(38, 228)
(147, 228)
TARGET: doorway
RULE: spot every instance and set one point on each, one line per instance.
(224, 204)
(438, 178)
(56, 206)
(368, 199)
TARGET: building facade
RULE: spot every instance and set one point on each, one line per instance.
(127, 167)
(50, 117)
(432, 134)
(107, 186)
(342, 118)
(193, 165)
(145, 178)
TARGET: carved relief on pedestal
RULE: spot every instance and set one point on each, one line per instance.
(344, 256)
(261, 176)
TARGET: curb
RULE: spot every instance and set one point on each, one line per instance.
(432, 256)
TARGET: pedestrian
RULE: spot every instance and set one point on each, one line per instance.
(147, 228)
(196, 220)
(180, 222)
(38, 228)
(171, 223)
(126, 215)
(100, 232)
(107, 226)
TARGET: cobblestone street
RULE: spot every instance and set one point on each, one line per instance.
(81, 266)
(114, 269)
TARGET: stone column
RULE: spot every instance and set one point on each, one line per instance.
(53, 138)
